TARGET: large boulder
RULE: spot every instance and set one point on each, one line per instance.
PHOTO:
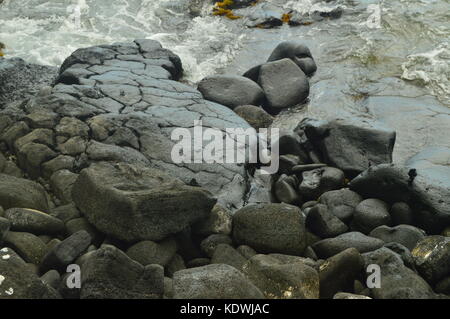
(20, 192)
(231, 91)
(109, 273)
(350, 145)
(217, 281)
(134, 203)
(406, 235)
(423, 183)
(271, 228)
(283, 83)
(432, 258)
(397, 280)
(18, 281)
(283, 280)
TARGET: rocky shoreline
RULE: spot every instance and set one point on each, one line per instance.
(87, 180)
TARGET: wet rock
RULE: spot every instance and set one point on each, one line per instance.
(366, 143)
(292, 280)
(443, 286)
(324, 224)
(32, 155)
(401, 213)
(61, 162)
(331, 246)
(149, 252)
(369, 214)
(19, 192)
(66, 252)
(226, 254)
(65, 212)
(338, 273)
(20, 80)
(255, 116)
(431, 256)
(198, 262)
(406, 235)
(283, 83)
(397, 281)
(216, 281)
(134, 203)
(30, 247)
(19, 282)
(219, 221)
(319, 181)
(422, 183)
(232, 91)
(341, 203)
(298, 53)
(270, 228)
(263, 15)
(110, 274)
(34, 221)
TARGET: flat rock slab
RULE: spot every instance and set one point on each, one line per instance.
(134, 203)
(120, 103)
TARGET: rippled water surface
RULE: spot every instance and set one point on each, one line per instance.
(383, 59)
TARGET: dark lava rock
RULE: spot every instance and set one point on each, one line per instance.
(282, 280)
(406, 235)
(232, 91)
(133, 203)
(19, 282)
(108, 273)
(148, 252)
(369, 214)
(283, 83)
(332, 246)
(324, 224)
(350, 145)
(397, 281)
(338, 273)
(19, 192)
(255, 116)
(34, 221)
(270, 228)
(66, 252)
(432, 257)
(341, 203)
(216, 281)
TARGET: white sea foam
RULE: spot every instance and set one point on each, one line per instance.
(432, 69)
